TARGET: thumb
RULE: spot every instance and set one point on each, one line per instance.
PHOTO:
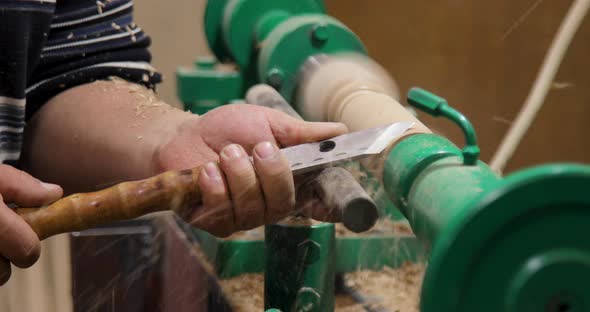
(291, 131)
(19, 187)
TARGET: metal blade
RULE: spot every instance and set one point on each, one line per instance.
(312, 156)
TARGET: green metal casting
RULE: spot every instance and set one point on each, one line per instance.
(234, 28)
(213, 32)
(299, 271)
(513, 244)
(437, 106)
(294, 41)
(269, 22)
(269, 40)
(241, 18)
(522, 246)
(205, 87)
(444, 182)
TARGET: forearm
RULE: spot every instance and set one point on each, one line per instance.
(98, 134)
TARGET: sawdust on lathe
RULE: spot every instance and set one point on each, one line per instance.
(384, 226)
(344, 303)
(258, 233)
(253, 234)
(245, 293)
(393, 289)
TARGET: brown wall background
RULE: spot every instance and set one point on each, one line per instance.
(482, 56)
(177, 37)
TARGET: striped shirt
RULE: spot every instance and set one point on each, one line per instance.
(48, 47)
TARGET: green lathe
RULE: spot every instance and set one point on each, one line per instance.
(516, 243)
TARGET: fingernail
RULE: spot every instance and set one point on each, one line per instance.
(50, 186)
(265, 150)
(212, 171)
(232, 152)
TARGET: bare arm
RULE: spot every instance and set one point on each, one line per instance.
(99, 134)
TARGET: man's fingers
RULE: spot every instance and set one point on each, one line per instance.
(290, 131)
(4, 271)
(19, 187)
(215, 215)
(18, 243)
(276, 180)
(246, 195)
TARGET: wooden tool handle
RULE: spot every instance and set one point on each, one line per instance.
(172, 190)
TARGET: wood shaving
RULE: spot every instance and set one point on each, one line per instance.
(130, 31)
(146, 98)
(393, 289)
(99, 6)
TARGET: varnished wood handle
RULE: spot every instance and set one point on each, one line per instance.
(172, 190)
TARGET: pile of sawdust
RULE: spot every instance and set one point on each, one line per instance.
(384, 226)
(253, 234)
(344, 303)
(392, 289)
(245, 293)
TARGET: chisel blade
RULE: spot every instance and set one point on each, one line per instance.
(351, 146)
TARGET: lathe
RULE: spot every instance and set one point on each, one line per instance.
(493, 243)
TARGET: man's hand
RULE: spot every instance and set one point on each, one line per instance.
(19, 245)
(110, 132)
(238, 195)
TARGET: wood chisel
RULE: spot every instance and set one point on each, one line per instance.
(178, 190)
(313, 156)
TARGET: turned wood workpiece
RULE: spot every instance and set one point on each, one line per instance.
(354, 90)
(173, 190)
